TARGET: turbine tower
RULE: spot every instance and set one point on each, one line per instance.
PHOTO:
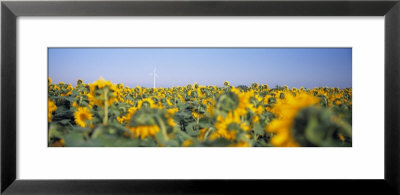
(154, 77)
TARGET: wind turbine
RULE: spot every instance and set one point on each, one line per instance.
(154, 77)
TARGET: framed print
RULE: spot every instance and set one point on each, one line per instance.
(198, 77)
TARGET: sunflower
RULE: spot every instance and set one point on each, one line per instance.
(201, 91)
(75, 105)
(240, 144)
(171, 122)
(99, 89)
(172, 111)
(286, 111)
(128, 116)
(130, 102)
(202, 134)
(52, 107)
(210, 104)
(187, 143)
(197, 115)
(169, 115)
(229, 125)
(229, 135)
(266, 87)
(58, 143)
(255, 119)
(259, 110)
(146, 102)
(244, 101)
(68, 91)
(169, 102)
(145, 130)
(82, 115)
(341, 137)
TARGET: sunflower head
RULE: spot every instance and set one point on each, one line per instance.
(144, 131)
(146, 103)
(266, 87)
(188, 143)
(102, 90)
(254, 85)
(120, 86)
(57, 142)
(230, 127)
(138, 89)
(79, 82)
(144, 123)
(285, 87)
(240, 144)
(286, 110)
(82, 116)
(51, 107)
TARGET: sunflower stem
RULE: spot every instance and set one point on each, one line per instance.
(207, 132)
(198, 114)
(163, 129)
(105, 120)
(255, 137)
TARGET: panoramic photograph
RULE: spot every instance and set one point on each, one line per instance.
(199, 97)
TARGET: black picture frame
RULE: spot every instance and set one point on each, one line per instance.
(11, 10)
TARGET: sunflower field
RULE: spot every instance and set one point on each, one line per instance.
(104, 114)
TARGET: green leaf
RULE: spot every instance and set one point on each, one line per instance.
(192, 129)
(258, 129)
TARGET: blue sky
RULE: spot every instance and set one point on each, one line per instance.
(295, 67)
